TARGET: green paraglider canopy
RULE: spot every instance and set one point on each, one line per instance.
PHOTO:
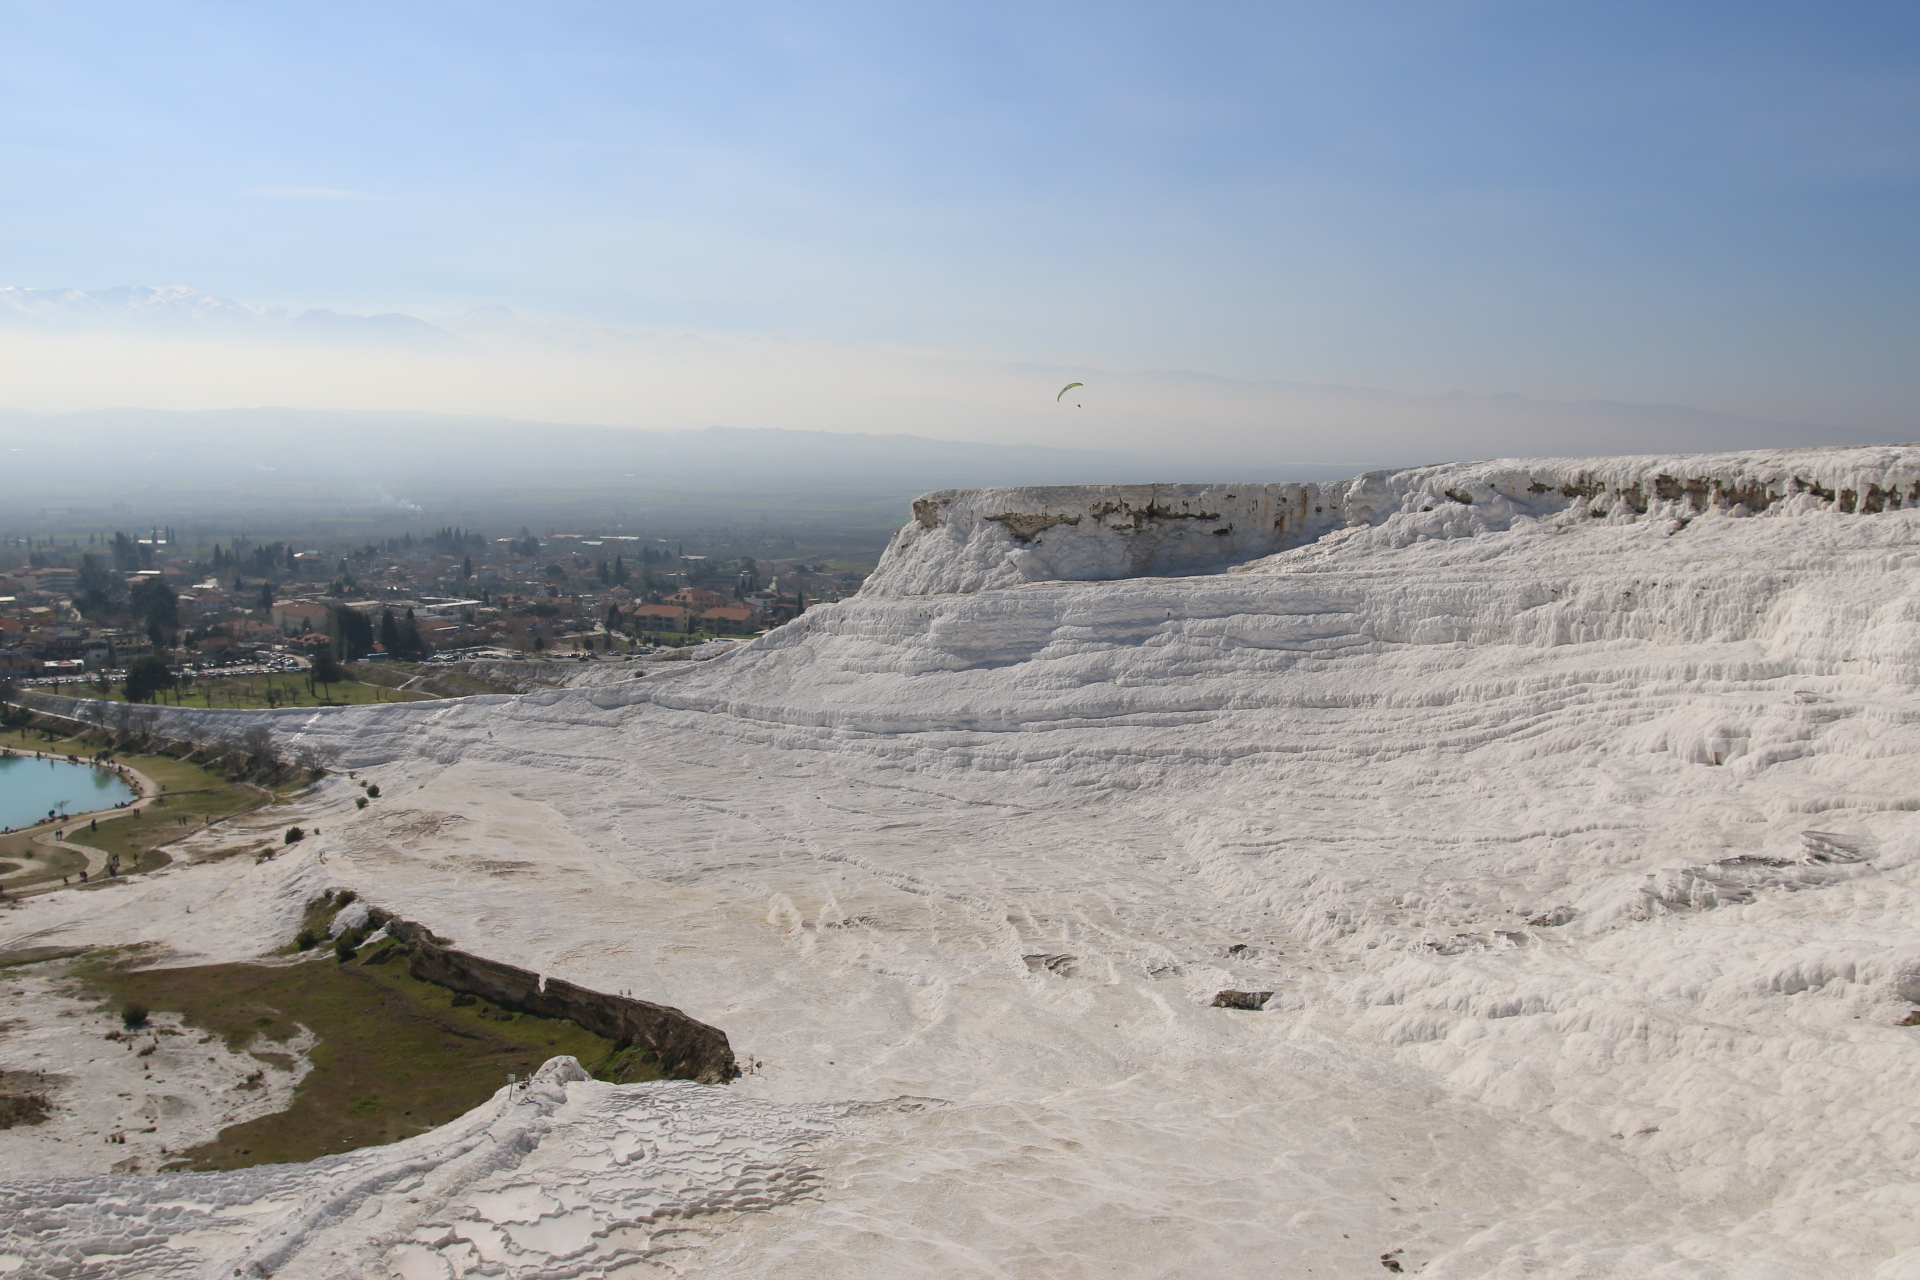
(1070, 386)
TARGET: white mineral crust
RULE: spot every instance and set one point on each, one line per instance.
(1568, 809)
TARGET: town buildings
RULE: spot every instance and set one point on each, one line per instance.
(79, 605)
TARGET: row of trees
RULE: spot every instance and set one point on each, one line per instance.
(354, 633)
(451, 539)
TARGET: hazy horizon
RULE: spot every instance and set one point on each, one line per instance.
(1324, 235)
(183, 351)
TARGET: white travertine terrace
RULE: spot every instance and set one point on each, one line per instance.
(1568, 808)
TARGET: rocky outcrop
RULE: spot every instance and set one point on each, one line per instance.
(967, 540)
(973, 539)
(1254, 1000)
(686, 1048)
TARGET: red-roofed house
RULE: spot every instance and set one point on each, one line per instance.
(660, 617)
(729, 620)
(699, 598)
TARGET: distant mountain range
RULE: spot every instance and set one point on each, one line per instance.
(795, 412)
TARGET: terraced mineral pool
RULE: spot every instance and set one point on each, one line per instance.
(32, 789)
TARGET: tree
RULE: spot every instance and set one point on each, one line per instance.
(411, 645)
(389, 633)
(126, 558)
(153, 603)
(93, 588)
(619, 571)
(326, 669)
(466, 567)
(266, 595)
(315, 758)
(257, 751)
(147, 678)
(352, 632)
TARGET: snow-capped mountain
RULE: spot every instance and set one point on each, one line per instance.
(128, 304)
(180, 311)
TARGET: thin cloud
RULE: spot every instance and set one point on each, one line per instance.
(310, 193)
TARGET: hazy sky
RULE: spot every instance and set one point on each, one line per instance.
(1710, 204)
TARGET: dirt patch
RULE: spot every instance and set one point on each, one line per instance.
(1025, 527)
(23, 1098)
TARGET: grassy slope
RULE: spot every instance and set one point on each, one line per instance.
(396, 1056)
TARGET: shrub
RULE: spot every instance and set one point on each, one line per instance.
(359, 802)
(307, 940)
(295, 835)
(373, 790)
(133, 1014)
(348, 943)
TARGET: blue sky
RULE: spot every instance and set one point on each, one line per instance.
(1711, 204)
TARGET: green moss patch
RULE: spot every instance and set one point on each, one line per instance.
(395, 1056)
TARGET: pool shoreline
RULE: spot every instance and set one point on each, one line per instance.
(143, 789)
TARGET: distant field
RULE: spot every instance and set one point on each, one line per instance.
(253, 692)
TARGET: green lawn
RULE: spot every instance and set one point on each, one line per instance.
(135, 839)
